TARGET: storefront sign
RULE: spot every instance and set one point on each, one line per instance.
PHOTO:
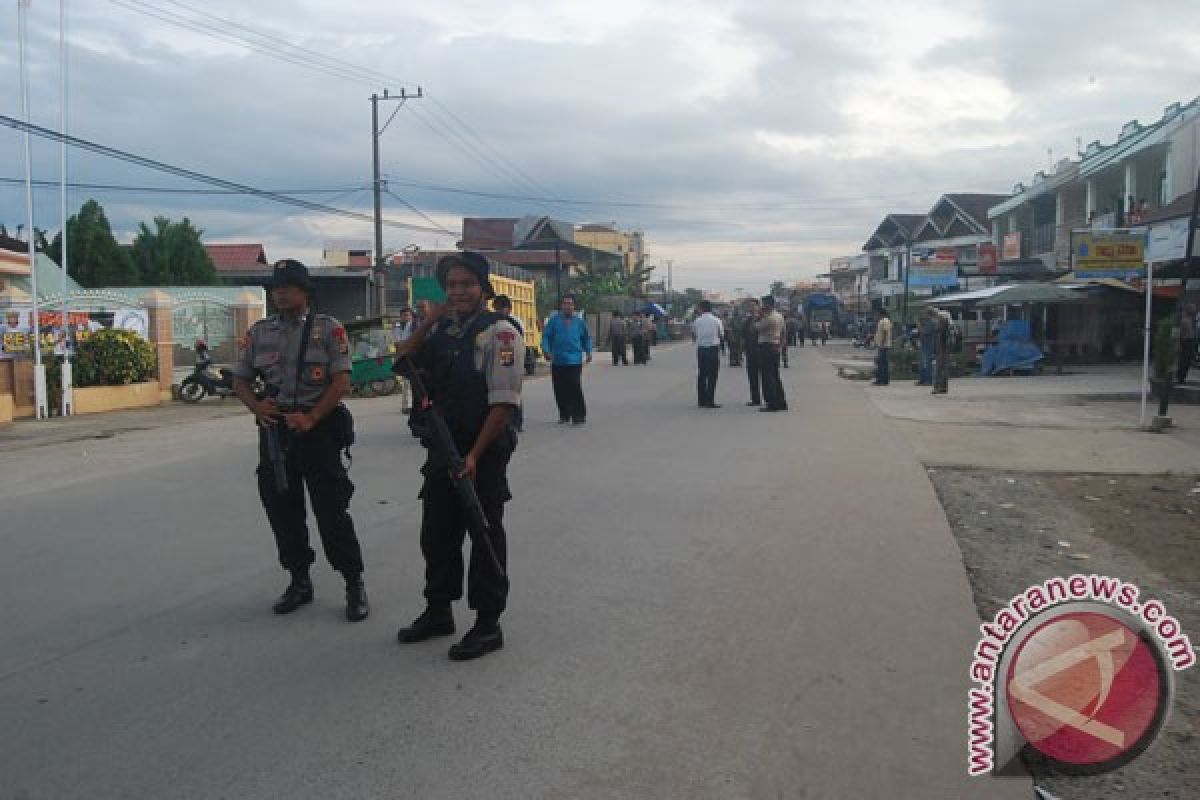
(1109, 254)
(1167, 241)
(934, 268)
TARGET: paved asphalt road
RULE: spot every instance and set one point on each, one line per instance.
(705, 604)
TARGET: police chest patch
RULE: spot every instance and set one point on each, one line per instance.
(508, 356)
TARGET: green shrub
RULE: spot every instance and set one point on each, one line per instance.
(114, 358)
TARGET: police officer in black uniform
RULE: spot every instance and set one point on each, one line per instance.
(303, 359)
(472, 362)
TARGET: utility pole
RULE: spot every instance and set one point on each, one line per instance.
(670, 282)
(558, 270)
(376, 132)
(907, 270)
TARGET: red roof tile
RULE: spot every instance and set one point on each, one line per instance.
(237, 257)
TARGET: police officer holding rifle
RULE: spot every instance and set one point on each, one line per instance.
(466, 363)
(303, 359)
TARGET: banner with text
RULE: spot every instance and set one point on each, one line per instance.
(1109, 254)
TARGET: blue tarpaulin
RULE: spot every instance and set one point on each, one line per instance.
(1014, 351)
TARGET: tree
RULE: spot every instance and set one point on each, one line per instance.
(172, 255)
(590, 284)
(96, 258)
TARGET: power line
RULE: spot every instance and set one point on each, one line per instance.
(112, 187)
(419, 212)
(200, 177)
(433, 187)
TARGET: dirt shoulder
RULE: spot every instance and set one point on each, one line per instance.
(1018, 528)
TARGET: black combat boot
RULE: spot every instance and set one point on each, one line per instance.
(357, 607)
(434, 621)
(298, 593)
(482, 639)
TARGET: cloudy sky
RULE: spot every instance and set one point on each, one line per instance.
(752, 140)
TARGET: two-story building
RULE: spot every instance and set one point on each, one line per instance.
(1112, 186)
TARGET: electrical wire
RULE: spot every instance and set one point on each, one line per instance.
(112, 187)
(419, 212)
(200, 177)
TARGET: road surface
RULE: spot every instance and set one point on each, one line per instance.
(705, 604)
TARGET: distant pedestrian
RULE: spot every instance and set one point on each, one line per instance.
(750, 341)
(1187, 342)
(941, 354)
(883, 348)
(568, 344)
(926, 335)
(733, 339)
(637, 337)
(771, 337)
(707, 333)
(618, 333)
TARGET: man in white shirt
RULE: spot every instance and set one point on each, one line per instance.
(707, 333)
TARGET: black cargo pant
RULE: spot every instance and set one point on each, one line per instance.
(313, 460)
(568, 391)
(619, 356)
(708, 361)
(752, 373)
(444, 525)
(772, 384)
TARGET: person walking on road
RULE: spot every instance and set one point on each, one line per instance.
(474, 359)
(618, 333)
(567, 342)
(771, 333)
(708, 333)
(303, 358)
(942, 328)
(750, 340)
(883, 348)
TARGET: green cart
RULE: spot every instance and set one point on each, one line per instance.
(371, 376)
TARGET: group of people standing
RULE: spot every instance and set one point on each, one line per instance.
(933, 340)
(634, 331)
(758, 332)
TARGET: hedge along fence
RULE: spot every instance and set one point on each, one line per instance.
(109, 357)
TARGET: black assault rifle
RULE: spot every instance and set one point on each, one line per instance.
(276, 450)
(436, 435)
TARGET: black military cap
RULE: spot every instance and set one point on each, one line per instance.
(467, 259)
(290, 272)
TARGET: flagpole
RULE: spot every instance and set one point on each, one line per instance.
(39, 370)
(67, 405)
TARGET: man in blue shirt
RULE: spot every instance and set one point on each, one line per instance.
(567, 342)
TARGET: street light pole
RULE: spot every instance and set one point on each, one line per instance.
(377, 186)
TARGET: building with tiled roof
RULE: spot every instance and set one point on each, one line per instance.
(227, 258)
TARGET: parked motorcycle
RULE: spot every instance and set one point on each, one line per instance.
(204, 382)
